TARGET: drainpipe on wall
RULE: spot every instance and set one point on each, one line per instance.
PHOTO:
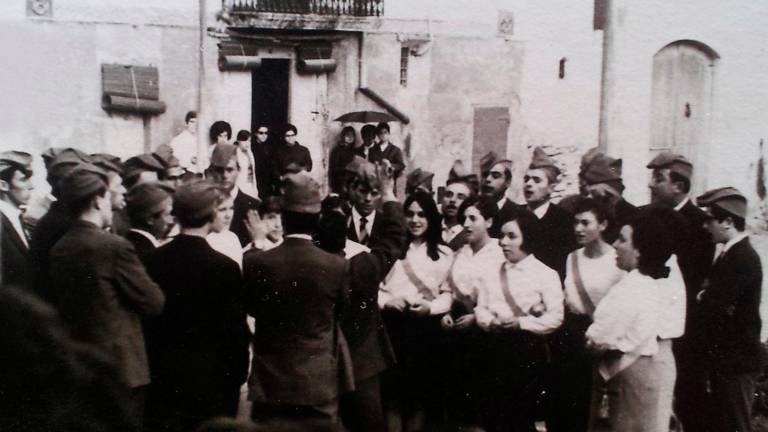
(608, 83)
(201, 144)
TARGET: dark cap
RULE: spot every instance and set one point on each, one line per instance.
(604, 169)
(164, 154)
(196, 199)
(15, 159)
(84, 181)
(222, 154)
(460, 174)
(107, 162)
(301, 193)
(541, 160)
(726, 198)
(148, 197)
(141, 163)
(419, 179)
(674, 162)
(490, 159)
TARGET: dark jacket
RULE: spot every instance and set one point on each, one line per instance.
(392, 153)
(243, 204)
(201, 337)
(49, 229)
(144, 247)
(622, 213)
(15, 256)
(730, 311)
(265, 173)
(375, 233)
(363, 326)
(340, 157)
(102, 291)
(296, 293)
(285, 155)
(556, 239)
(503, 216)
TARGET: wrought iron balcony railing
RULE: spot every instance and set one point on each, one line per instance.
(357, 8)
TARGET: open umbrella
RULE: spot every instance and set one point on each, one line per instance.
(365, 117)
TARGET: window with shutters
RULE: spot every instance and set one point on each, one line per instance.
(404, 53)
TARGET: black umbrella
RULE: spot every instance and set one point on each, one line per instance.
(365, 117)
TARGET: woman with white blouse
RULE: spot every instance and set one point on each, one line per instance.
(412, 304)
(520, 302)
(482, 254)
(625, 333)
(221, 239)
(590, 272)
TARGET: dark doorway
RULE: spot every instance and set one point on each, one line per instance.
(270, 95)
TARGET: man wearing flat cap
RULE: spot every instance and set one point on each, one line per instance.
(602, 181)
(15, 192)
(149, 208)
(141, 169)
(224, 170)
(114, 169)
(461, 185)
(364, 193)
(173, 173)
(57, 220)
(496, 177)
(419, 179)
(670, 185)
(198, 346)
(296, 293)
(99, 285)
(729, 305)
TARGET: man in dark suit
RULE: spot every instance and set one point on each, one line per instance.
(296, 293)
(262, 147)
(56, 220)
(386, 150)
(15, 192)
(368, 137)
(372, 354)
(364, 193)
(199, 345)
(603, 182)
(149, 208)
(99, 285)
(556, 225)
(224, 170)
(496, 177)
(730, 312)
(670, 185)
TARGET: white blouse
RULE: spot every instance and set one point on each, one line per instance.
(530, 283)
(598, 275)
(627, 317)
(672, 308)
(464, 278)
(430, 274)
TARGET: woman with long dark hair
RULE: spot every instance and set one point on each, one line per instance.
(625, 332)
(412, 303)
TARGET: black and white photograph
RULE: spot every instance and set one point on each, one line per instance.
(383, 216)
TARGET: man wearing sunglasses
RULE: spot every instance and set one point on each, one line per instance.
(263, 149)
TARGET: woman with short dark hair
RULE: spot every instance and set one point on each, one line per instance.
(341, 155)
(625, 331)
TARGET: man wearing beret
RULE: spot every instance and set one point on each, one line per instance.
(496, 177)
(670, 185)
(149, 208)
(364, 192)
(198, 346)
(56, 221)
(729, 305)
(296, 293)
(99, 285)
(224, 170)
(15, 192)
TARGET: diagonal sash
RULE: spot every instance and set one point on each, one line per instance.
(507, 294)
(416, 281)
(589, 306)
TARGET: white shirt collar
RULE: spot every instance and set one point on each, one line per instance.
(369, 220)
(300, 236)
(682, 204)
(501, 202)
(525, 262)
(150, 237)
(383, 146)
(13, 214)
(234, 191)
(541, 210)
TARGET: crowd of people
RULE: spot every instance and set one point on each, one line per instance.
(458, 309)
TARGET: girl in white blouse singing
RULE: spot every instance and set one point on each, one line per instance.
(590, 272)
(521, 301)
(482, 254)
(626, 328)
(412, 305)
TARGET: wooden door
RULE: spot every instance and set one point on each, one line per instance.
(682, 102)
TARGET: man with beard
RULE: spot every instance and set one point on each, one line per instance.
(496, 175)
(460, 186)
(670, 185)
(224, 170)
(15, 192)
(364, 193)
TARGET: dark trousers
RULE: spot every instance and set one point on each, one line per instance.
(322, 417)
(732, 396)
(361, 410)
(691, 396)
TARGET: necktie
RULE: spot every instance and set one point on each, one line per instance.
(363, 236)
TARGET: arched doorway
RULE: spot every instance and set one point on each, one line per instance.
(682, 94)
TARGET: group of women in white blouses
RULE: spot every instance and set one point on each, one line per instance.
(479, 333)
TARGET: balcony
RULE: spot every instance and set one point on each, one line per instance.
(339, 8)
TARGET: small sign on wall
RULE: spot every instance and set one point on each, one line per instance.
(40, 8)
(506, 25)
